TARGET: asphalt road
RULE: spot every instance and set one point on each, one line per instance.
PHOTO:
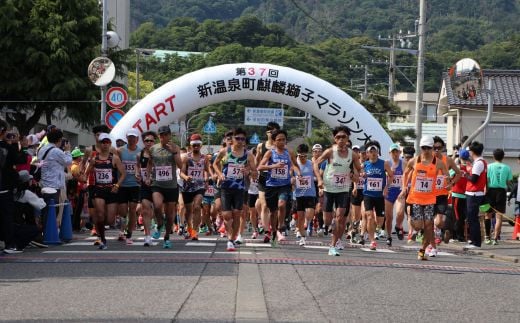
(202, 282)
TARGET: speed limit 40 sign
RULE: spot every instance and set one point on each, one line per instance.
(116, 97)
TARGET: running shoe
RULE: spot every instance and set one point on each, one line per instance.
(121, 236)
(103, 246)
(194, 235)
(389, 241)
(298, 235)
(494, 242)
(487, 241)
(167, 244)
(419, 237)
(267, 238)
(373, 245)
(156, 234)
(280, 236)
(321, 233)
(302, 241)
(340, 245)
(432, 252)
(261, 230)
(203, 229)
(97, 242)
(12, 251)
(446, 236)
(438, 240)
(239, 239)
(326, 230)
(400, 233)
(38, 244)
(93, 232)
(333, 251)
(147, 241)
(421, 255)
(382, 235)
(231, 246)
(255, 235)
(129, 242)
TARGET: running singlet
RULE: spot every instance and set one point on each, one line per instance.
(375, 179)
(195, 169)
(279, 176)
(397, 181)
(165, 169)
(305, 183)
(336, 177)
(143, 162)
(422, 191)
(129, 160)
(233, 170)
(105, 174)
(440, 183)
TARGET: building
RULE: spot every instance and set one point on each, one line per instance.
(406, 101)
(463, 117)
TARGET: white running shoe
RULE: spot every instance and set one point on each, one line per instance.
(320, 232)
(340, 245)
(302, 241)
(231, 246)
(432, 252)
(298, 235)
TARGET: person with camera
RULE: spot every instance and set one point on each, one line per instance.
(53, 162)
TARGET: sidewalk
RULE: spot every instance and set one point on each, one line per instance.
(507, 249)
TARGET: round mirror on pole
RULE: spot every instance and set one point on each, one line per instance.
(101, 71)
(466, 79)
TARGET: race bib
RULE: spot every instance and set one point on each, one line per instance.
(144, 173)
(196, 172)
(303, 182)
(280, 173)
(210, 191)
(397, 181)
(130, 167)
(439, 182)
(374, 184)
(340, 180)
(104, 176)
(163, 173)
(423, 184)
(235, 171)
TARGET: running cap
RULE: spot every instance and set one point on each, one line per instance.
(393, 147)
(164, 129)
(426, 141)
(317, 147)
(195, 139)
(104, 136)
(356, 147)
(132, 132)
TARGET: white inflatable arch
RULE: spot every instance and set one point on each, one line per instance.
(253, 81)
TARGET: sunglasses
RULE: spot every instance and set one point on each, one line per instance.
(229, 138)
(240, 138)
(302, 155)
(149, 140)
(195, 145)
(341, 137)
(106, 142)
(426, 148)
(437, 147)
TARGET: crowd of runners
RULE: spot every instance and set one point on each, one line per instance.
(347, 192)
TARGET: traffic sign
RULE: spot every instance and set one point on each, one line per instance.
(113, 116)
(254, 139)
(116, 97)
(210, 127)
(261, 116)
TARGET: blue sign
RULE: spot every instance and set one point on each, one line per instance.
(254, 139)
(112, 117)
(210, 127)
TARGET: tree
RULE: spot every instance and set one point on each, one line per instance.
(145, 86)
(46, 47)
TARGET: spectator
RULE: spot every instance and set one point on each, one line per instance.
(53, 168)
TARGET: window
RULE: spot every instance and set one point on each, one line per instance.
(505, 136)
(429, 112)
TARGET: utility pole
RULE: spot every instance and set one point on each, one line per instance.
(364, 96)
(420, 75)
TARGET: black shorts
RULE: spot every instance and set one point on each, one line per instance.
(188, 197)
(105, 194)
(170, 195)
(375, 203)
(273, 194)
(232, 199)
(340, 200)
(305, 202)
(218, 193)
(262, 179)
(441, 204)
(251, 199)
(497, 198)
(358, 199)
(128, 194)
(145, 193)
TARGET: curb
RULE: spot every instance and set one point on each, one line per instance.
(485, 253)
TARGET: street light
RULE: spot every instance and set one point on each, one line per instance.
(138, 52)
(187, 125)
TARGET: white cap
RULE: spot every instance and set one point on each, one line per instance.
(33, 140)
(132, 132)
(426, 141)
(317, 147)
(103, 136)
(356, 147)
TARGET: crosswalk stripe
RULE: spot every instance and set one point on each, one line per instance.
(200, 244)
(259, 245)
(141, 252)
(378, 250)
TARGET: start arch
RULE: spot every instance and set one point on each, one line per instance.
(253, 81)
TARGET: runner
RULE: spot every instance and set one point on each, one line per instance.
(359, 226)
(164, 159)
(208, 202)
(128, 194)
(305, 191)
(422, 172)
(195, 173)
(109, 173)
(253, 203)
(458, 198)
(499, 177)
(232, 164)
(317, 150)
(278, 161)
(227, 142)
(145, 193)
(261, 149)
(403, 207)
(375, 190)
(394, 189)
(336, 182)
